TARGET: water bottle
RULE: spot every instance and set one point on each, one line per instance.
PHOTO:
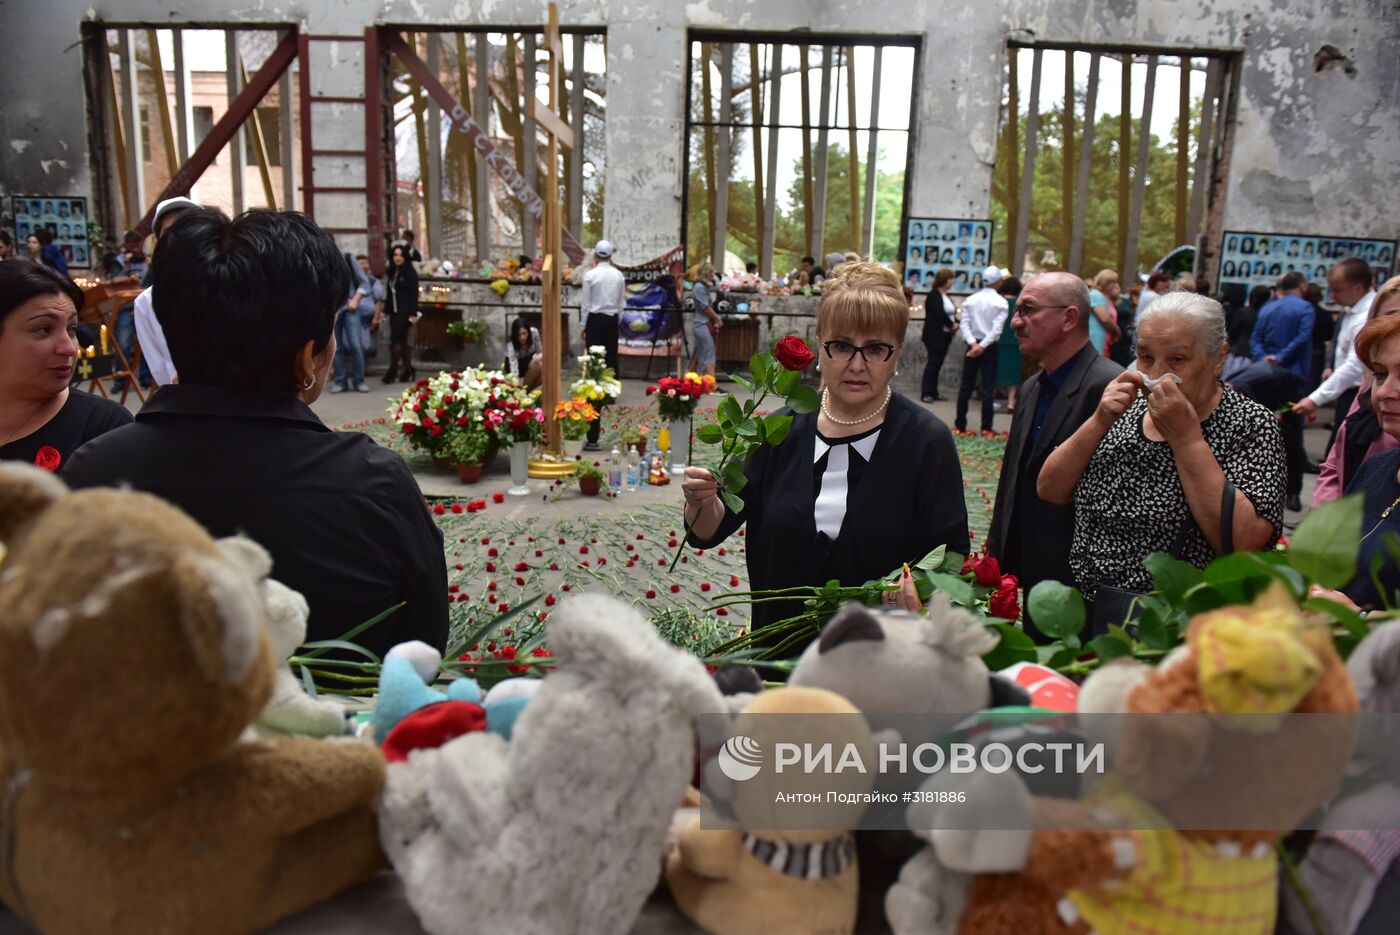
(615, 469)
(634, 465)
(643, 468)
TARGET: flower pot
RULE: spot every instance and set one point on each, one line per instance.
(589, 486)
(442, 463)
(573, 447)
(469, 473)
(519, 469)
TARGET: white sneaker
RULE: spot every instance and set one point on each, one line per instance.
(337, 388)
(361, 387)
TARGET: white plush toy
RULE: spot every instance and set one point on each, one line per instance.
(562, 828)
(291, 710)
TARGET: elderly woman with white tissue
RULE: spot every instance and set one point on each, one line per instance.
(1173, 460)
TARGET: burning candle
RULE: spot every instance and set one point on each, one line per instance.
(106, 349)
(91, 351)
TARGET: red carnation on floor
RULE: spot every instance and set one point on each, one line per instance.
(498, 497)
(438, 509)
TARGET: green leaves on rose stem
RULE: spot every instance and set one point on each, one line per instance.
(804, 399)
(729, 412)
(1172, 576)
(710, 433)
(1326, 543)
(787, 381)
(760, 366)
(733, 477)
(732, 501)
(1057, 608)
(1015, 646)
(776, 428)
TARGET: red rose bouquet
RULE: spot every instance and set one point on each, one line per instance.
(676, 398)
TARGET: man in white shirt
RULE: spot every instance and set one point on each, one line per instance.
(1352, 285)
(604, 292)
(983, 316)
(154, 351)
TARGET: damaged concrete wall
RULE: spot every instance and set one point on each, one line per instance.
(1315, 152)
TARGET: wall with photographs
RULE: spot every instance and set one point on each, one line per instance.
(1254, 258)
(963, 246)
(64, 217)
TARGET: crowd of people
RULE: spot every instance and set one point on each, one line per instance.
(1190, 444)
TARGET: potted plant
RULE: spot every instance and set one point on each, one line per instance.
(468, 330)
(574, 416)
(635, 436)
(676, 399)
(515, 420)
(590, 476)
(466, 448)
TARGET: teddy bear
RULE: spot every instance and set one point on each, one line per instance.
(291, 710)
(1350, 867)
(133, 655)
(562, 828)
(1218, 749)
(785, 880)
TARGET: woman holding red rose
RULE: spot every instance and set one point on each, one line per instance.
(42, 419)
(869, 482)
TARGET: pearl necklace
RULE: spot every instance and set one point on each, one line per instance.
(878, 409)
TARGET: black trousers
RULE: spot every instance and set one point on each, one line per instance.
(601, 331)
(986, 366)
(937, 353)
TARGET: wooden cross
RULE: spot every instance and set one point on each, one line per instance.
(558, 134)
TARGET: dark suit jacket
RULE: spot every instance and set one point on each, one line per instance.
(1030, 537)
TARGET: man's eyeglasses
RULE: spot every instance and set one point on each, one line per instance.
(1030, 311)
(870, 353)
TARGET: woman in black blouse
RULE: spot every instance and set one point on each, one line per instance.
(402, 309)
(1148, 471)
(870, 482)
(43, 420)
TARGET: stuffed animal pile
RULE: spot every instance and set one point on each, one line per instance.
(1110, 864)
(133, 655)
(561, 828)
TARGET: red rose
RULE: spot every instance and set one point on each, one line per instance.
(793, 353)
(987, 571)
(651, 391)
(48, 458)
(1004, 604)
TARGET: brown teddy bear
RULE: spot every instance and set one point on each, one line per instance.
(133, 655)
(1113, 863)
(777, 882)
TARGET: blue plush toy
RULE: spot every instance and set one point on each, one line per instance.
(404, 687)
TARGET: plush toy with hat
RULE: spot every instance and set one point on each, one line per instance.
(781, 881)
(291, 710)
(562, 829)
(133, 655)
(1114, 862)
(1350, 868)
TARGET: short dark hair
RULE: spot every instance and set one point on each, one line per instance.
(407, 234)
(44, 234)
(6, 238)
(810, 259)
(21, 281)
(1156, 278)
(1356, 271)
(750, 266)
(1292, 280)
(1010, 286)
(237, 299)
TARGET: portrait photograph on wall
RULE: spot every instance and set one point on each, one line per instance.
(63, 216)
(959, 244)
(1254, 258)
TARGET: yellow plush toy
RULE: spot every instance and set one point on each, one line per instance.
(773, 882)
(133, 654)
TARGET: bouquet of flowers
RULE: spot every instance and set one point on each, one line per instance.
(597, 383)
(511, 422)
(677, 398)
(431, 409)
(573, 416)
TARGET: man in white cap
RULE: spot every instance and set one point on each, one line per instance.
(154, 353)
(983, 316)
(604, 293)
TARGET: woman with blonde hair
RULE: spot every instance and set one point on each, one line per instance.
(707, 321)
(1360, 436)
(869, 482)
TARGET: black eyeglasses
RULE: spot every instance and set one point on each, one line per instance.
(1030, 311)
(870, 353)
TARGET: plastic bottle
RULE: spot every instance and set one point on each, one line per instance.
(643, 467)
(634, 464)
(615, 468)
